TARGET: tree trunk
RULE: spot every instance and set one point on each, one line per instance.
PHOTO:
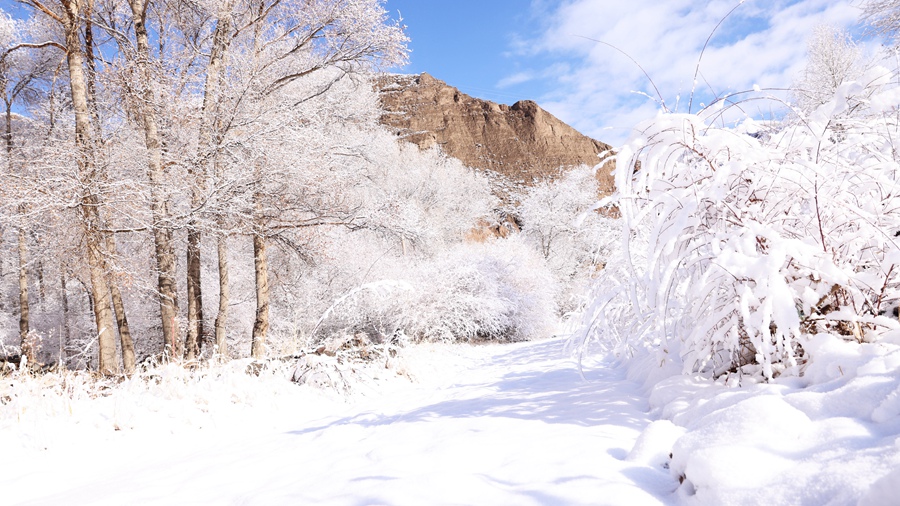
(162, 234)
(103, 317)
(125, 340)
(207, 150)
(128, 359)
(224, 298)
(214, 76)
(65, 307)
(194, 292)
(89, 208)
(261, 325)
(39, 271)
(28, 346)
(91, 71)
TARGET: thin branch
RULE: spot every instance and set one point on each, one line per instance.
(702, 51)
(658, 94)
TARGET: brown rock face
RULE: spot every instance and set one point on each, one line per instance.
(522, 142)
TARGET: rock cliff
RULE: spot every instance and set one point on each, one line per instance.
(521, 142)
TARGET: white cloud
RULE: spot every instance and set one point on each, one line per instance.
(762, 42)
(551, 72)
(517, 78)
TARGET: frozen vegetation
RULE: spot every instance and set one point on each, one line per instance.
(722, 330)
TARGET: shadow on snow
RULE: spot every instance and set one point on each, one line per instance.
(553, 391)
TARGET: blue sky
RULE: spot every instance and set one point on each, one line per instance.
(469, 43)
(507, 50)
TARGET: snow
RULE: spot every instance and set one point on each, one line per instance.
(490, 424)
(461, 424)
(831, 436)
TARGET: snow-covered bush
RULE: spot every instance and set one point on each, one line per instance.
(499, 291)
(739, 245)
(373, 310)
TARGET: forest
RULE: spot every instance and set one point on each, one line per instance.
(188, 180)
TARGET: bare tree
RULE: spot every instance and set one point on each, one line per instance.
(162, 234)
(69, 14)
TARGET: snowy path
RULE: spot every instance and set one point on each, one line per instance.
(492, 425)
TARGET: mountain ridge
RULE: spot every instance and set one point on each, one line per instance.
(522, 142)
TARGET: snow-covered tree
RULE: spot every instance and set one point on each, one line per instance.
(883, 16)
(832, 58)
(273, 56)
(23, 66)
(559, 217)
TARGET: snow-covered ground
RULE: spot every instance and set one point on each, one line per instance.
(513, 424)
(493, 424)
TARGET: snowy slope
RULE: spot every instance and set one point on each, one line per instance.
(514, 424)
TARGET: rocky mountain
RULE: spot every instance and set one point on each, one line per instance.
(522, 142)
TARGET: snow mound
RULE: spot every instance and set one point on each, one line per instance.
(653, 446)
(883, 492)
(831, 436)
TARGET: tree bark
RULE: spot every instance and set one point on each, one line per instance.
(261, 325)
(125, 340)
(224, 298)
(65, 307)
(90, 202)
(26, 346)
(194, 290)
(162, 234)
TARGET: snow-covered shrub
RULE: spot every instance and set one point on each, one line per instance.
(499, 290)
(737, 247)
(373, 310)
(338, 362)
(559, 219)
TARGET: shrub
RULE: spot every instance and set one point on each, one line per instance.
(739, 244)
(498, 291)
